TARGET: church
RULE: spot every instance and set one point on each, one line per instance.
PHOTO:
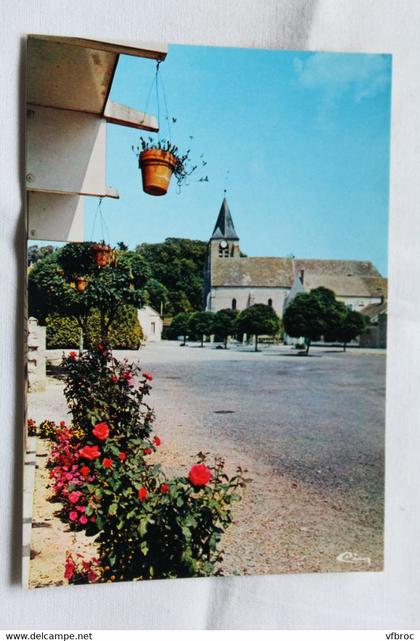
(235, 281)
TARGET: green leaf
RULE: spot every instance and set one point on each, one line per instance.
(142, 527)
(113, 509)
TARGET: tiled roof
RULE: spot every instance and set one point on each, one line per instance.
(252, 272)
(337, 267)
(344, 277)
(343, 285)
(374, 310)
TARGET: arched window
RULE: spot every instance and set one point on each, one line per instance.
(270, 302)
(233, 303)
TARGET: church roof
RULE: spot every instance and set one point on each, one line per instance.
(224, 227)
(343, 277)
(339, 267)
(252, 272)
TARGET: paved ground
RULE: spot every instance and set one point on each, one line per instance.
(310, 431)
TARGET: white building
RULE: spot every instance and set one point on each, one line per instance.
(151, 324)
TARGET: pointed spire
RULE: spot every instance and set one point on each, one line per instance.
(224, 227)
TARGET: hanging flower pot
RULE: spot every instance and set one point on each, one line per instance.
(81, 283)
(159, 160)
(157, 167)
(102, 254)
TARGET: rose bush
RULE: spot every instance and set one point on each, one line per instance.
(145, 524)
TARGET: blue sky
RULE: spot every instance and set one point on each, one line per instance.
(304, 137)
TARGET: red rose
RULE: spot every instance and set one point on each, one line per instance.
(107, 462)
(114, 379)
(164, 488)
(142, 493)
(31, 422)
(101, 431)
(122, 456)
(148, 376)
(157, 441)
(62, 423)
(199, 475)
(90, 452)
(84, 470)
(73, 355)
(147, 451)
(100, 347)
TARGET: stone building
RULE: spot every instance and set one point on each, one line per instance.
(235, 281)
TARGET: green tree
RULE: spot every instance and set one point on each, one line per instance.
(225, 323)
(180, 325)
(52, 285)
(258, 320)
(201, 324)
(36, 253)
(351, 325)
(158, 296)
(178, 264)
(313, 315)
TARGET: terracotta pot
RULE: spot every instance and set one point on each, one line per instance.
(102, 255)
(157, 167)
(81, 283)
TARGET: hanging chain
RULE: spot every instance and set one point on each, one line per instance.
(165, 102)
(104, 226)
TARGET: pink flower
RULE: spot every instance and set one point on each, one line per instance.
(81, 508)
(74, 496)
(83, 520)
(73, 515)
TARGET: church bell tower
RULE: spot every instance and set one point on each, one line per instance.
(223, 244)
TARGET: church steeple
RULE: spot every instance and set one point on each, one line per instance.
(224, 227)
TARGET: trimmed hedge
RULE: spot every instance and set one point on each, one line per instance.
(125, 331)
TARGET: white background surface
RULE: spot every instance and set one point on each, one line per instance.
(383, 600)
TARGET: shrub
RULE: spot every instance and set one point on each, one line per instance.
(125, 331)
(62, 332)
(146, 525)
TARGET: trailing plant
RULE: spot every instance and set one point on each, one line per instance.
(183, 163)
